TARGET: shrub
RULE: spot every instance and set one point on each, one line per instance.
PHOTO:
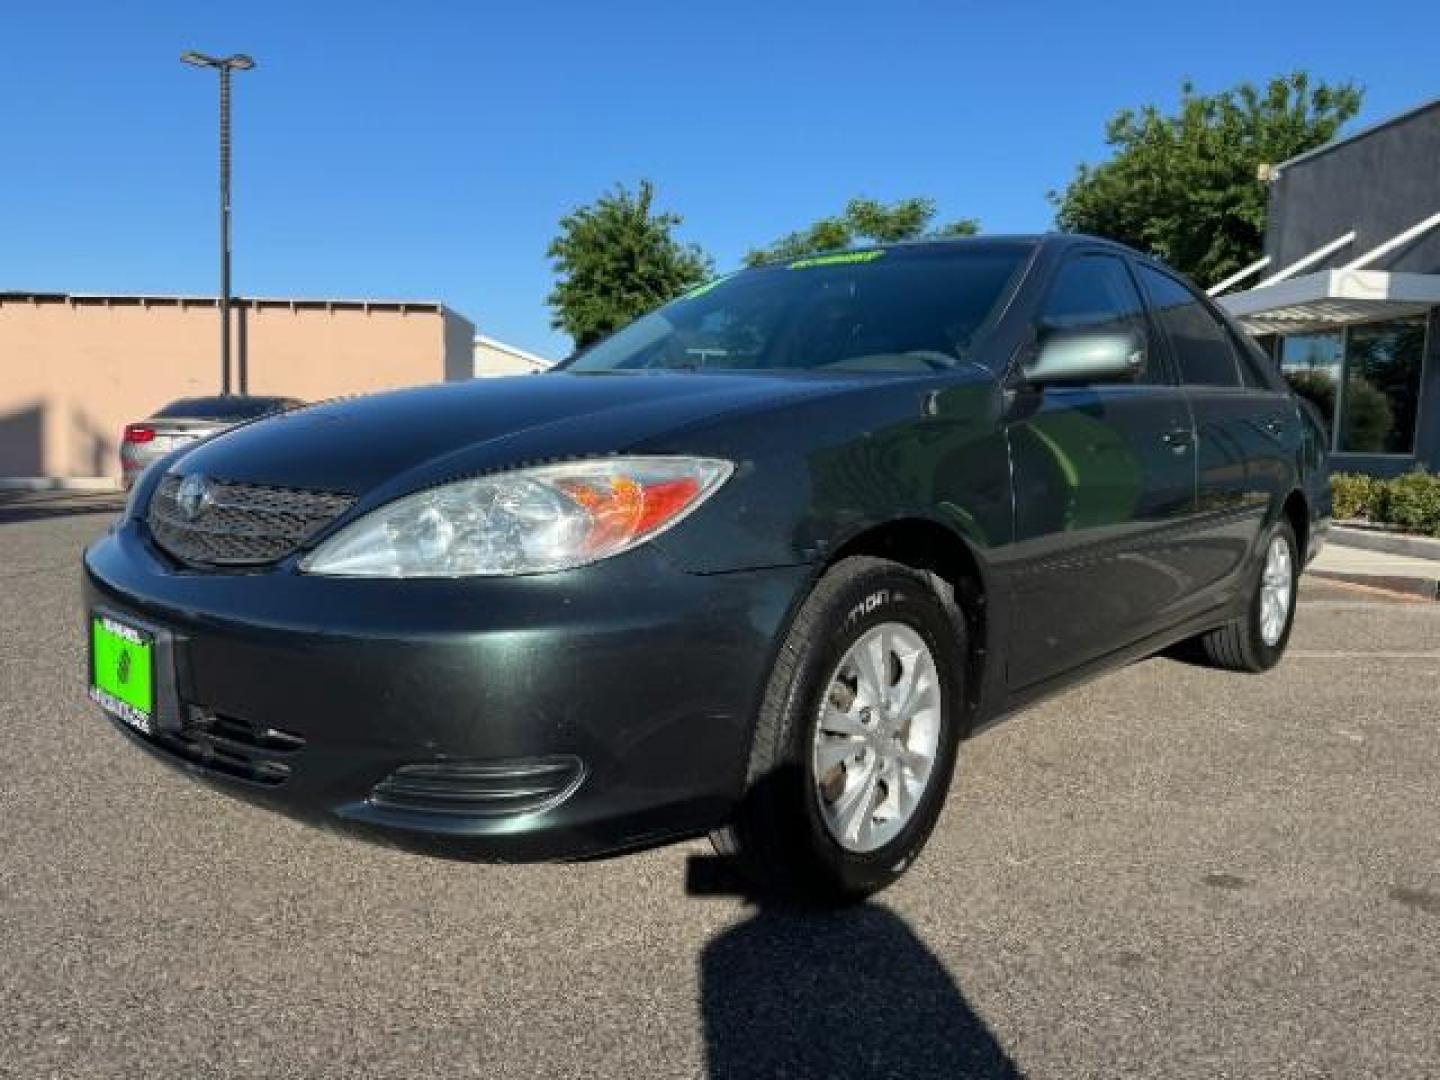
(1380, 501)
(1354, 495)
(1413, 502)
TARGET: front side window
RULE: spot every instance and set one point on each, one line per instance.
(1096, 292)
(1382, 387)
(1200, 343)
(897, 310)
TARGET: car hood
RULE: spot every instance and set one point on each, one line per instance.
(417, 436)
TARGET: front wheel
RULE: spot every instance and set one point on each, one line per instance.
(1256, 640)
(855, 744)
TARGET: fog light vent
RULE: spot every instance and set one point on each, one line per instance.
(481, 788)
(232, 747)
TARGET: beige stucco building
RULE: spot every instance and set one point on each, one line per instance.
(497, 358)
(75, 369)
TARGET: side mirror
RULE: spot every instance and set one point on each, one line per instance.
(1086, 355)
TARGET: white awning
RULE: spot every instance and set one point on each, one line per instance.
(1331, 299)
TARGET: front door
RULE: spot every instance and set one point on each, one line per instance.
(1104, 480)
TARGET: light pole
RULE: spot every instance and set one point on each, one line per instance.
(225, 65)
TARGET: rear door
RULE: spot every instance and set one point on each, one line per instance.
(1246, 427)
(1104, 478)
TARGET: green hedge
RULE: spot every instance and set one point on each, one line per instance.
(1411, 501)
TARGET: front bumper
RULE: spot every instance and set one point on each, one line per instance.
(312, 696)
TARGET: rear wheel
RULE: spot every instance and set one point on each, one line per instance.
(1256, 640)
(855, 744)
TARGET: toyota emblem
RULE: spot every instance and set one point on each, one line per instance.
(193, 496)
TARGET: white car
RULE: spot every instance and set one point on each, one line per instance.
(185, 421)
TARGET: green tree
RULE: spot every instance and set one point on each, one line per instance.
(863, 219)
(1187, 187)
(615, 260)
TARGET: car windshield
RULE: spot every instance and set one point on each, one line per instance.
(227, 407)
(911, 309)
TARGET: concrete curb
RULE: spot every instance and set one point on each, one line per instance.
(1426, 588)
(1420, 547)
(58, 483)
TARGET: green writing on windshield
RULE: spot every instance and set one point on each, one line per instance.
(841, 259)
(701, 290)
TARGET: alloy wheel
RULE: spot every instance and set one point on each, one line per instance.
(877, 737)
(1277, 584)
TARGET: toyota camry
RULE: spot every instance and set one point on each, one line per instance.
(755, 565)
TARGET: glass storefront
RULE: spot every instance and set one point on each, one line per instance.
(1382, 387)
(1365, 381)
(1311, 364)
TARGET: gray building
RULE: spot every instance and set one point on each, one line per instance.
(1348, 293)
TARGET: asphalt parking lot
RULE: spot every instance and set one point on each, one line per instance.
(1167, 872)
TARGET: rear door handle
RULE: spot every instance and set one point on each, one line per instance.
(1178, 439)
(1274, 427)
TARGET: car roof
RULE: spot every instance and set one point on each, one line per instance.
(1050, 241)
(1057, 241)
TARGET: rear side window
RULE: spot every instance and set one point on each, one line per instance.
(1200, 343)
(1256, 369)
(1096, 291)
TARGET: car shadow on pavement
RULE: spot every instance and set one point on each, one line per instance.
(846, 992)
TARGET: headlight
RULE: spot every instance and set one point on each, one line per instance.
(523, 522)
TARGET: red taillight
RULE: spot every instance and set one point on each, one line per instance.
(138, 433)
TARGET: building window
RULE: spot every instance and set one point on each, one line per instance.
(1382, 387)
(1311, 365)
(1379, 364)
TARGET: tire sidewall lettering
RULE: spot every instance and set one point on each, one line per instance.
(874, 601)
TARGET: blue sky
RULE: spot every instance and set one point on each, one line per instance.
(426, 150)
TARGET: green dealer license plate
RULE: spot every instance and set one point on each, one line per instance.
(122, 671)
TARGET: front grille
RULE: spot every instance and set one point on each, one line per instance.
(481, 788)
(240, 524)
(232, 747)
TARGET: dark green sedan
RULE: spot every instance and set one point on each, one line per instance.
(755, 565)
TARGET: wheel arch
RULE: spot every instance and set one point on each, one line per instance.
(930, 546)
(1296, 510)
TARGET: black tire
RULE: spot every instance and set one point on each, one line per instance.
(1238, 645)
(778, 837)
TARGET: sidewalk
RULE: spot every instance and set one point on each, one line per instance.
(1379, 569)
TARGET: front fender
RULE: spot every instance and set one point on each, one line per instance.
(813, 477)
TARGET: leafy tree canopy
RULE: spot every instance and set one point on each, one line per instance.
(617, 259)
(863, 220)
(1187, 187)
